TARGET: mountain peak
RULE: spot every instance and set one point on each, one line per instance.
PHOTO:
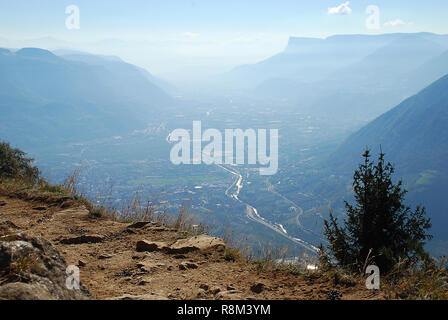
(36, 53)
(297, 42)
(4, 51)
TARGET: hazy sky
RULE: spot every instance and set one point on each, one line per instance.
(166, 36)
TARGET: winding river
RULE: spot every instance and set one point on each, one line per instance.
(253, 215)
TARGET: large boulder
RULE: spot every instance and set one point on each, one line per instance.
(33, 269)
(198, 243)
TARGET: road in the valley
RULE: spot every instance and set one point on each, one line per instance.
(253, 215)
(298, 209)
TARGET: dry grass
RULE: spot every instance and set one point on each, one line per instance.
(68, 194)
(425, 281)
(232, 254)
(144, 209)
(283, 259)
(18, 269)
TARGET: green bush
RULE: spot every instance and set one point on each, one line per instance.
(15, 165)
(231, 254)
(379, 228)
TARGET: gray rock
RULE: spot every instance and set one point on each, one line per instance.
(197, 243)
(33, 269)
(25, 291)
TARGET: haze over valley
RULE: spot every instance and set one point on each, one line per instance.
(86, 108)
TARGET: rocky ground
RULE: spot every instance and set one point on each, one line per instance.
(38, 239)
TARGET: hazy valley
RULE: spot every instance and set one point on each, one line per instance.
(109, 119)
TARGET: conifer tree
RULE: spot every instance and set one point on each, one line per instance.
(379, 227)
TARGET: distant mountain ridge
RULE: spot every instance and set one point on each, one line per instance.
(380, 40)
(114, 64)
(414, 137)
(344, 76)
(43, 95)
(379, 81)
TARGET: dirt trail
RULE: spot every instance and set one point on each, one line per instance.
(112, 267)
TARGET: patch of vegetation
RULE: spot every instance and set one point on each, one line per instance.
(380, 229)
(341, 277)
(14, 164)
(22, 264)
(428, 280)
(232, 254)
(17, 268)
(20, 178)
(53, 188)
(269, 258)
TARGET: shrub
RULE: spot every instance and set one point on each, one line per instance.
(15, 165)
(380, 229)
(232, 254)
